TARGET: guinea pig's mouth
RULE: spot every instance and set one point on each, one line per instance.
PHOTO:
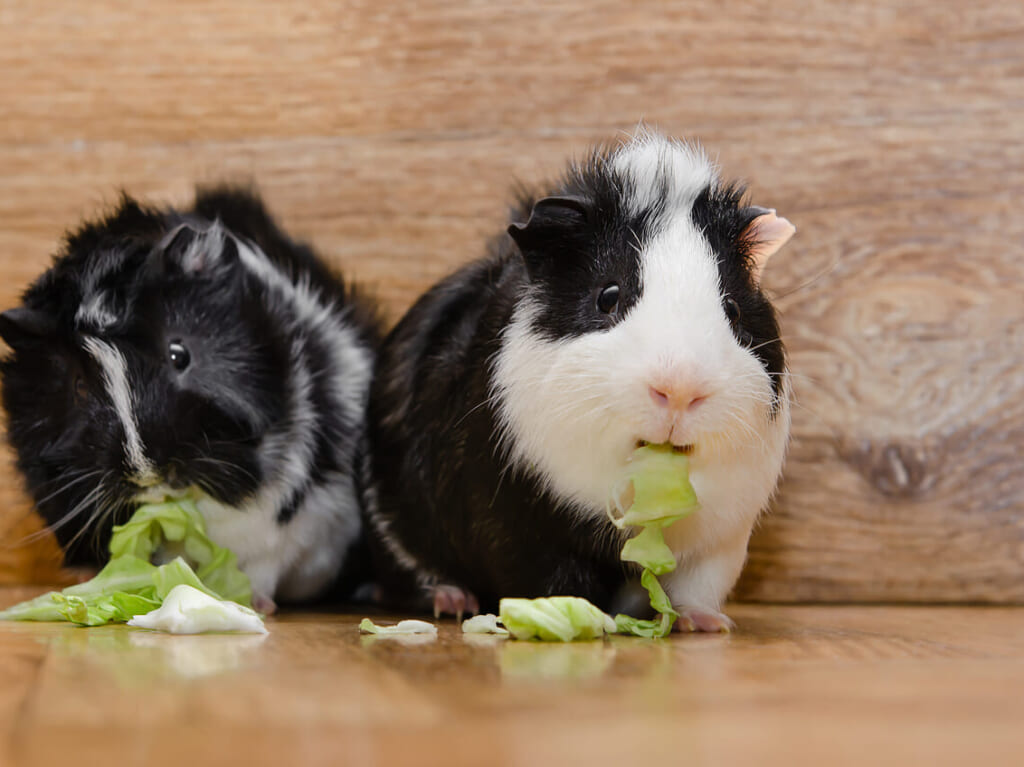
(681, 449)
(162, 493)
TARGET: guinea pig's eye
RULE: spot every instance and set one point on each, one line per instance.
(180, 358)
(80, 390)
(732, 311)
(608, 299)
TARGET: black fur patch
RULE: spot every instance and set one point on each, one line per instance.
(574, 257)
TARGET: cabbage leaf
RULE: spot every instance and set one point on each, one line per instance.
(366, 626)
(188, 610)
(551, 619)
(129, 584)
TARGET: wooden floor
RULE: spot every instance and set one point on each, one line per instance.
(794, 685)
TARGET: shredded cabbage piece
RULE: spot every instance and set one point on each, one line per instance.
(129, 584)
(187, 610)
(551, 619)
(367, 626)
(483, 624)
(649, 550)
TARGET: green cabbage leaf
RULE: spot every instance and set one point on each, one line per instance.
(554, 619)
(131, 585)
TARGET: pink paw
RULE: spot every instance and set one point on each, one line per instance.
(452, 600)
(692, 619)
(263, 604)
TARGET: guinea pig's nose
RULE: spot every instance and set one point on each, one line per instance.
(172, 475)
(679, 399)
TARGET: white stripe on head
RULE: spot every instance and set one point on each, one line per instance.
(115, 379)
(679, 270)
(662, 171)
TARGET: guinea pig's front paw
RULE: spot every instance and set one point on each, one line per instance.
(452, 600)
(263, 604)
(692, 619)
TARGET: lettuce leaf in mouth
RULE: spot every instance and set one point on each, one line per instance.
(179, 522)
(662, 495)
(658, 491)
(129, 584)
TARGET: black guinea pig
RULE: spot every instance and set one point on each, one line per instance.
(197, 353)
(623, 308)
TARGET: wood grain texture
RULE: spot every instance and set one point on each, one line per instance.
(794, 685)
(390, 133)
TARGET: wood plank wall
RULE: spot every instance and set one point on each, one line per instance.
(389, 133)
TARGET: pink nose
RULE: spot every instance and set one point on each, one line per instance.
(681, 399)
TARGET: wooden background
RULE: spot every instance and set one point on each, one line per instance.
(389, 133)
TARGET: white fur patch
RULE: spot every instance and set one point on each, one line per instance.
(662, 171)
(115, 380)
(573, 410)
(93, 313)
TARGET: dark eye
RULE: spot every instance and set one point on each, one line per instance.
(180, 358)
(608, 299)
(732, 311)
(81, 391)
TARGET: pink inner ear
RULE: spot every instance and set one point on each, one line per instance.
(768, 233)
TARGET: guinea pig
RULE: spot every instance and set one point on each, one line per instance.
(624, 307)
(198, 353)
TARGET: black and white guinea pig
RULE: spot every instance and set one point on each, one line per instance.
(625, 308)
(196, 353)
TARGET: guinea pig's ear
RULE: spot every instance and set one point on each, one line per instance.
(551, 219)
(21, 327)
(200, 252)
(764, 235)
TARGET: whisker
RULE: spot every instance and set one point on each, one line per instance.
(804, 285)
(69, 485)
(763, 343)
(487, 401)
(231, 467)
